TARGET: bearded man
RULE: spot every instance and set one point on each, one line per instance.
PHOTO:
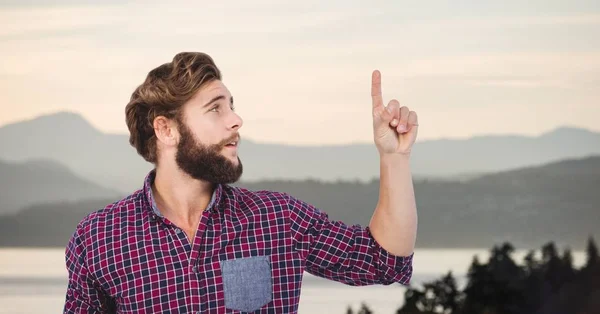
(189, 242)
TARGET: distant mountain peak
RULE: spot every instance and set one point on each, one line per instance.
(567, 130)
(61, 121)
(43, 163)
(64, 117)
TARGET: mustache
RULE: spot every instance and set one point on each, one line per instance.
(234, 138)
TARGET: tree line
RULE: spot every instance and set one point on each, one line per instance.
(549, 285)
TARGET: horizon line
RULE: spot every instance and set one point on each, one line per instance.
(48, 114)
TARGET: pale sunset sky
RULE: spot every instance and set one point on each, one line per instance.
(300, 71)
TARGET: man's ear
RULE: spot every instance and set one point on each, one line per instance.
(165, 131)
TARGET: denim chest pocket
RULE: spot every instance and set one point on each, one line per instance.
(247, 283)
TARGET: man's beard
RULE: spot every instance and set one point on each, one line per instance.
(204, 162)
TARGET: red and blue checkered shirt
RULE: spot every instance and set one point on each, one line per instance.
(249, 254)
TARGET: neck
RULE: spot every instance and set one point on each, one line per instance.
(179, 197)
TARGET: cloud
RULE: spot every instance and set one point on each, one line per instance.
(503, 22)
(301, 61)
(511, 69)
(26, 21)
(176, 18)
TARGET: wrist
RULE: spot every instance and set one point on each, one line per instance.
(394, 157)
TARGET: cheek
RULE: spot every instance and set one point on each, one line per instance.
(207, 134)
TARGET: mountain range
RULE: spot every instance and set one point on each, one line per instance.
(109, 160)
(557, 201)
(23, 184)
(55, 169)
(528, 206)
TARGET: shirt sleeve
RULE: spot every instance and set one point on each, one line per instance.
(344, 253)
(83, 294)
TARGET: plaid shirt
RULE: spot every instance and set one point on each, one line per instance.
(249, 255)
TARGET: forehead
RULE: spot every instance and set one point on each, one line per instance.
(211, 90)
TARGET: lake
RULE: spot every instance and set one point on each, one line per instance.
(34, 281)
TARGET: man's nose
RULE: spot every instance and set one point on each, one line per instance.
(236, 121)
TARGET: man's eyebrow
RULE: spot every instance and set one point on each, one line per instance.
(216, 98)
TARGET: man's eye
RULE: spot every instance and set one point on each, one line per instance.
(216, 108)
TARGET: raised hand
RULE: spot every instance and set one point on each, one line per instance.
(394, 127)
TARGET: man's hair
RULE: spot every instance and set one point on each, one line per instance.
(163, 93)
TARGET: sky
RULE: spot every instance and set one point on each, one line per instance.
(300, 71)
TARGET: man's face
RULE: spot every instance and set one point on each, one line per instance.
(208, 128)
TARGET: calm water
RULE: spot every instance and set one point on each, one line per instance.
(34, 281)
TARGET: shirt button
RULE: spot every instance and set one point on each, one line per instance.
(177, 230)
(195, 269)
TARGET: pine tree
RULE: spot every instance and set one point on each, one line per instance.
(364, 309)
(349, 310)
(552, 266)
(476, 291)
(592, 253)
(412, 298)
(567, 269)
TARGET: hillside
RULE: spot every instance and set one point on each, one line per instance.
(71, 140)
(43, 181)
(557, 201)
(528, 207)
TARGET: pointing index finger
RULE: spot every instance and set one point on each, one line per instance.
(376, 89)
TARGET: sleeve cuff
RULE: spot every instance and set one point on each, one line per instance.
(393, 268)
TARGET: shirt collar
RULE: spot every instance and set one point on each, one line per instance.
(150, 196)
